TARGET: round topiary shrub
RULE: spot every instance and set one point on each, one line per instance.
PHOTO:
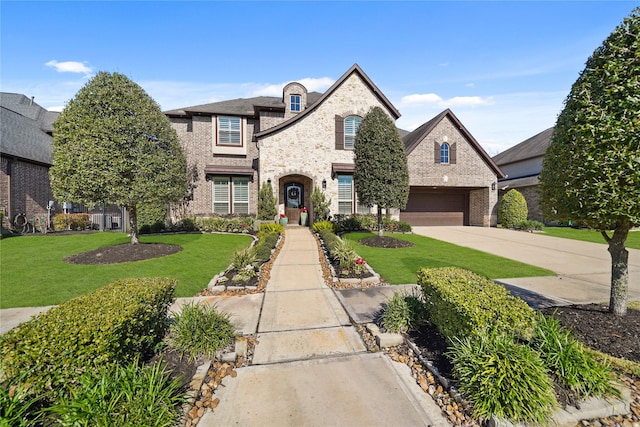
(513, 209)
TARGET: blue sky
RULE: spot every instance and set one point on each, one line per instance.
(503, 67)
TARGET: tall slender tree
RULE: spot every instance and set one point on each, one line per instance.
(112, 144)
(381, 171)
(591, 172)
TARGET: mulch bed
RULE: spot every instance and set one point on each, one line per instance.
(124, 253)
(385, 242)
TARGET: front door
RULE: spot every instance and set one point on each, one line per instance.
(294, 196)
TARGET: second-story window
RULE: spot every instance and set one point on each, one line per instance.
(295, 103)
(351, 125)
(444, 153)
(229, 130)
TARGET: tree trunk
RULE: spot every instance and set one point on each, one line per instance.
(380, 230)
(133, 224)
(619, 269)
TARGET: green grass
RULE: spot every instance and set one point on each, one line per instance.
(34, 273)
(399, 266)
(633, 240)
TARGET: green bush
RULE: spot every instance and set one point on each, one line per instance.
(243, 258)
(152, 215)
(231, 224)
(323, 225)
(200, 330)
(126, 396)
(461, 303)
(112, 325)
(320, 205)
(17, 406)
(78, 221)
(369, 222)
(344, 252)
(529, 225)
(329, 238)
(269, 228)
(499, 376)
(403, 312)
(267, 209)
(513, 209)
(567, 358)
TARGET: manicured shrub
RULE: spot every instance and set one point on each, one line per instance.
(78, 221)
(320, 204)
(461, 303)
(269, 228)
(231, 224)
(403, 312)
(568, 359)
(513, 209)
(323, 225)
(127, 396)
(200, 330)
(499, 376)
(529, 225)
(112, 325)
(266, 203)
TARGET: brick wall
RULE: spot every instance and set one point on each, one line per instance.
(26, 189)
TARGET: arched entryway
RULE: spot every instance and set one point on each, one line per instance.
(294, 194)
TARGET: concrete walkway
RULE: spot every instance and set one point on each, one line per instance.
(583, 269)
(310, 366)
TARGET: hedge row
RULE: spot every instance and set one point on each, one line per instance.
(79, 221)
(242, 224)
(112, 325)
(268, 235)
(461, 304)
(369, 222)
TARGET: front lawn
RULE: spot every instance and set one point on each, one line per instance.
(633, 240)
(34, 272)
(399, 266)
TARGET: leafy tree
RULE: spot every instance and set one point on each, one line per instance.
(112, 144)
(382, 174)
(267, 209)
(320, 205)
(513, 209)
(591, 171)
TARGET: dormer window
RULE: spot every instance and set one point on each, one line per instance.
(296, 103)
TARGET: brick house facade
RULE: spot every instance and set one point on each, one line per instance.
(25, 157)
(304, 140)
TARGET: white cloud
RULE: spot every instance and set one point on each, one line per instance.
(456, 101)
(69, 67)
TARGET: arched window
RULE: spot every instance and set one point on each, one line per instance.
(444, 153)
(351, 125)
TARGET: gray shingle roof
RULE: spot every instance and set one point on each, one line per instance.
(25, 128)
(240, 106)
(527, 149)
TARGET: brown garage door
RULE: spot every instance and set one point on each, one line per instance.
(436, 207)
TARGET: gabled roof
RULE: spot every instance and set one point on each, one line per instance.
(527, 149)
(414, 138)
(354, 69)
(247, 107)
(25, 128)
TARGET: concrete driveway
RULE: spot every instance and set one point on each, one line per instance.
(583, 269)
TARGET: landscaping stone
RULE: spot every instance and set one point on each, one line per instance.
(388, 339)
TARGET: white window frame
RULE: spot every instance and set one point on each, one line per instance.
(343, 200)
(445, 153)
(230, 195)
(351, 125)
(231, 125)
(297, 102)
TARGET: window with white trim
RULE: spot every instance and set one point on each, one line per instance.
(351, 125)
(444, 153)
(230, 195)
(345, 194)
(296, 104)
(229, 131)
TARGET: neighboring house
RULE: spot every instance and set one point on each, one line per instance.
(304, 140)
(522, 165)
(25, 156)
